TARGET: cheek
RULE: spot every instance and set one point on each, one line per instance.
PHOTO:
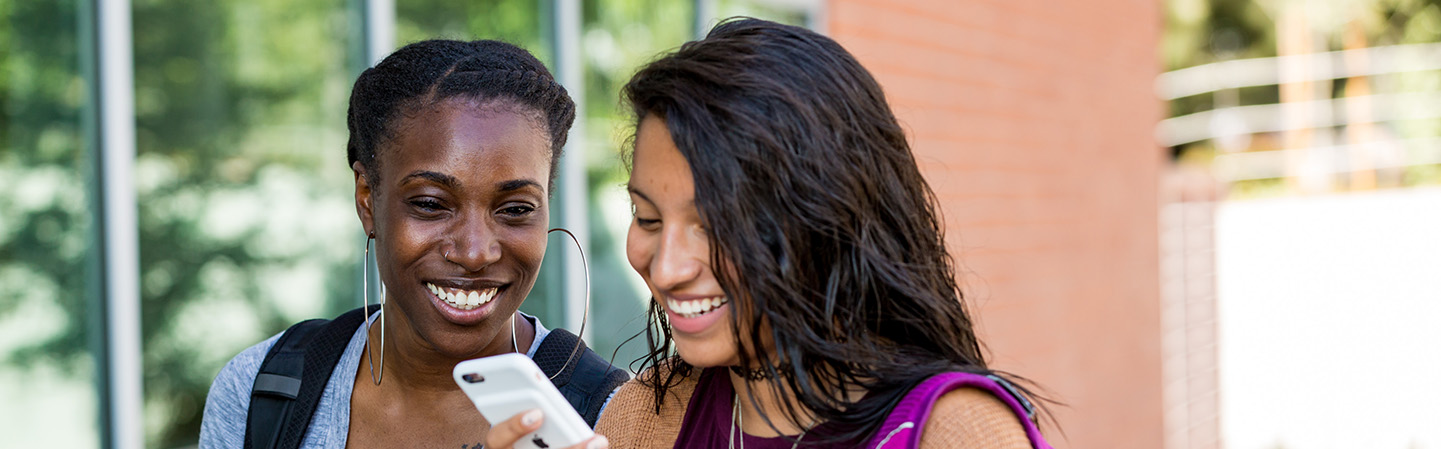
(638, 251)
(528, 246)
(398, 240)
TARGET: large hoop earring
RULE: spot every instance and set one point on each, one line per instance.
(375, 376)
(583, 318)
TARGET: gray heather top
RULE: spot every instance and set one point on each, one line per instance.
(229, 401)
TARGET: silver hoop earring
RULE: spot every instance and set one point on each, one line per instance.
(513, 342)
(365, 305)
(583, 318)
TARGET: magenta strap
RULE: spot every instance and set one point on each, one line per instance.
(902, 428)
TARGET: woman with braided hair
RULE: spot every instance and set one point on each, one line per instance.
(454, 147)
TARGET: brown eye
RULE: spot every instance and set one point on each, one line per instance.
(646, 223)
(426, 205)
(517, 211)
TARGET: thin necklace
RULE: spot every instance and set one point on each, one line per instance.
(736, 420)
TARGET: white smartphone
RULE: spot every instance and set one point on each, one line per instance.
(505, 385)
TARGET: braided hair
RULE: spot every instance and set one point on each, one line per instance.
(427, 72)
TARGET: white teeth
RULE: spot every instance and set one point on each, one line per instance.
(463, 299)
(695, 308)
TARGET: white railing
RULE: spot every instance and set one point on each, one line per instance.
(1321, 66)
(1383, 150)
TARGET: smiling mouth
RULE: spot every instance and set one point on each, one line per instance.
(696, 307)
(463, 299)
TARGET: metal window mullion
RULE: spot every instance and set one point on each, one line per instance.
(571, 187)
(705, 16)
(379, 30)
(818, 17)
(120, 244)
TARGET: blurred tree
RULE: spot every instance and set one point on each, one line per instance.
(618, 36)
(246, 221)
(243, 188)
(245, 215)
(45, 216)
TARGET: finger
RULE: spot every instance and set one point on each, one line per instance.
(505, 434)
(596, 442)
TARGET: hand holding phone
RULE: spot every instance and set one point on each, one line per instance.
(507, 385)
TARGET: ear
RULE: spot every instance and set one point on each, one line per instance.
(364, 199)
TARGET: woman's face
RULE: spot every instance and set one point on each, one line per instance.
(459, 215)
(667, 245)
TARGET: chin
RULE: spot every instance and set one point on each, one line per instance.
(707, 354)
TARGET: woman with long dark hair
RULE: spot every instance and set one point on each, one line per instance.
(803, 292)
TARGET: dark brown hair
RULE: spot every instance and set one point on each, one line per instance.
(809, 190)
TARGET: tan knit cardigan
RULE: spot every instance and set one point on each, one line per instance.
(965, 418)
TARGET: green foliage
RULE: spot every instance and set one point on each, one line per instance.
(246, 221)
(519, 22)
(244, 214)
(45, 219)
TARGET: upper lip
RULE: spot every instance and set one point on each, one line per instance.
(467, 284)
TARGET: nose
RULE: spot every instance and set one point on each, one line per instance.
(681, 257)
(473, 244)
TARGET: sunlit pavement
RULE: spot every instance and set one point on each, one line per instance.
(1330, 321)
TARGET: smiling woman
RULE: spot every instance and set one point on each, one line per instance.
(454, 148)
(803, 294)
(459, 208)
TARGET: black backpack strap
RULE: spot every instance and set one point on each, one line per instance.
(587, 381)
(291, 379)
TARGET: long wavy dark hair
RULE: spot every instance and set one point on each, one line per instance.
(810, 193)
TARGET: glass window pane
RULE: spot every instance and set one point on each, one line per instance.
(788, 12)
(48, 260)
(247, 217)
(520, 22)
(618, 37)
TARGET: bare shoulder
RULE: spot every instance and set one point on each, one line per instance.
(971, 418)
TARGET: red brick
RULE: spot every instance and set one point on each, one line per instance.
(1032, 120)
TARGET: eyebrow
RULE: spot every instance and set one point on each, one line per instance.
(438, 178)
(517, 184)
(634, 191)
(451, 181)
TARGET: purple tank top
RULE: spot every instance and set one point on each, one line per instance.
(708, 417)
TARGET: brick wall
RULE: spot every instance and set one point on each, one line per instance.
(1033, 122)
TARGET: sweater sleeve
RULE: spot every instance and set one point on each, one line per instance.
(970, 418)
(630, 420)
(228, 403)
(626, 421)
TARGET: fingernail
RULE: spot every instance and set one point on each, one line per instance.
(530, 418)
(599, 442)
